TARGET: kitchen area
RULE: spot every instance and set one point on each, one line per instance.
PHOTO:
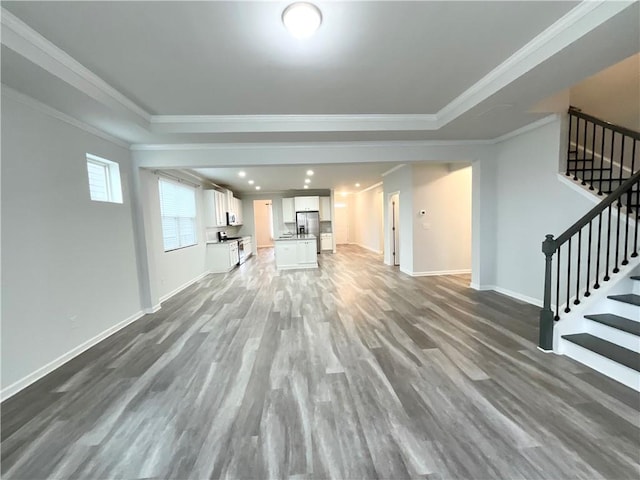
(301, 228)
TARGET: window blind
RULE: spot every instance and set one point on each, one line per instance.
(178, 213)
(98, 181)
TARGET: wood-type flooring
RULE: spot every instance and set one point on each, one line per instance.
(350, 371)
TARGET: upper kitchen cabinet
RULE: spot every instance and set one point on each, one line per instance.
(307, 204)
(235, 207)
(215, 208)
(288, 211)
(325, 209)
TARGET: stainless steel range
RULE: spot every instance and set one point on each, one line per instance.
(222, 237)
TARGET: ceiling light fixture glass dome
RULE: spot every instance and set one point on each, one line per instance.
(302, 19)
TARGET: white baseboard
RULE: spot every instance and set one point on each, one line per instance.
(481, 288)
(379, 252)
(153, 309)
(183, 286)
(518, 296)
(61, 360)
(440, 272)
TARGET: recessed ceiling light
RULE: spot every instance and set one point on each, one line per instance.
(302, 19)
(242, 174)
(251, 182)
(307, 180)
(257, 187)
(357, 184)
(309, 172)
(344, 194)
(306, 186)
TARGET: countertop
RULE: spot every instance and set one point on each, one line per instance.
(306, 236)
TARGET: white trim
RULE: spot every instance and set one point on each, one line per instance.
(481, 288)
(527, 128)
(52, 112)
(291, 123)
(175, 291)
(153, 309)
(518, 296)
(370, 188)
(24, 40)
(391, 170)
(15, 387)
(585, 17)
(439, 272)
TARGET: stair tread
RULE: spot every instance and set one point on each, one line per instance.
(614, 352)
(631, 298)
(635, 277)
(615, 321)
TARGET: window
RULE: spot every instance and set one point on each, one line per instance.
(104, 180)
(178, 212)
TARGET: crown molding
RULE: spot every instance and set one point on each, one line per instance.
(290, 123)
(527, 128)
(375, 185)
(586, 16)
(24, 40)
(397, 167)
(575, 24)
(52, 112)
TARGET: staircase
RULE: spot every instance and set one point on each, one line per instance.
(591, 309)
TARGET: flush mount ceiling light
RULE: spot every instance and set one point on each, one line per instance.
(302, 19)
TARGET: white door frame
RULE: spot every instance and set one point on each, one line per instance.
(394, 230)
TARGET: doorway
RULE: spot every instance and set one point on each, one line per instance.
(394, 209)
(263, 222)
(341, 222)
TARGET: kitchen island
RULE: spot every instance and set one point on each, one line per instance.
(296, 251)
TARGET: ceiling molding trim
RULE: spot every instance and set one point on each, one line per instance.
(289, 123)
(21, 38)
(527, 128)
(52, 112)
(304, 145)
(397, 167)
(576, 23)
(370, 188)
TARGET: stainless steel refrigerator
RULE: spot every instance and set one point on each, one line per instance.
(309, 222)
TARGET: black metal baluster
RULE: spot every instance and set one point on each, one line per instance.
(567, 173)
(606, 271)
(635, 240)
(601, 162)
(577, 300)
(597, 284)
(584, 154)
(587, 292)
(625, 260)
(613, 137)
(619, 205)
(567, 309)
(593, 156)
(557, 317)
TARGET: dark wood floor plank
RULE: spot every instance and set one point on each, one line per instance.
(353, 370)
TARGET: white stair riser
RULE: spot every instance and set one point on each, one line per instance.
(617, 308)
(636, 287)
(613, 335)
(620, 373)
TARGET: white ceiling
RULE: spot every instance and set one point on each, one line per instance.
(341, 177)
(213, 58)
(195, 74)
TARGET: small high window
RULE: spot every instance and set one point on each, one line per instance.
(178, 212)
(104, 180)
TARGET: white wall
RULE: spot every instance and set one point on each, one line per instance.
(442, 237)
(530, 202)
(69, 264)
(263, 223)
(172, 270)
(367, 219)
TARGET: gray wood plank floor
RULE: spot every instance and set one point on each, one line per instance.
(351, 371)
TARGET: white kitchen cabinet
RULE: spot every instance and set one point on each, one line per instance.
(307, 252)
(222, 257)
(247, 242)
(288, 211)
(215, 210)
(286, 255)
(326, 241)
(325, 209)
(238, 211)
(307, 204)
(296, 252)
